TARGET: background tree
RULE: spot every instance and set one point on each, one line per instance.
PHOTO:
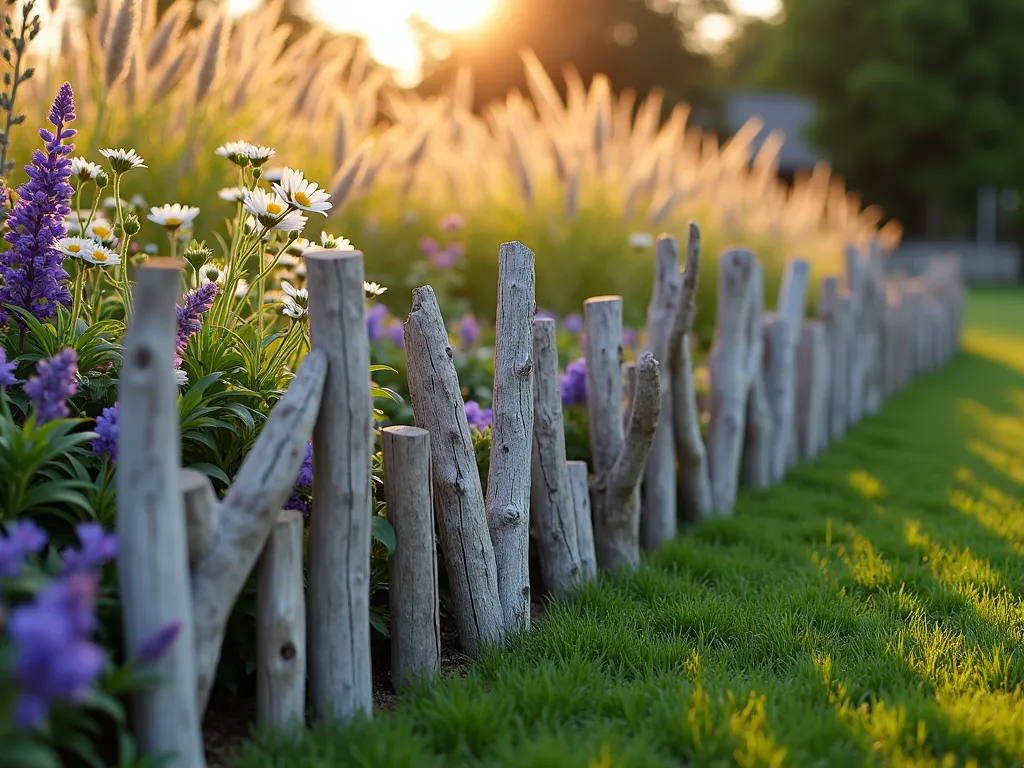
(918, 100)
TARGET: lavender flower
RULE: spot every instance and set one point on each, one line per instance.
(297, 503)
(429, 246)
(52, 385)
(24, 538)
(197, 303)
(6, 370)
(375, 317)
(108, 430)
(31, 271)
(543, 314)
(396, 332)
(305, 478)
(478, 417)
(628, 337)
(469, 331)
(154, 648)
(573, 323)
(96, 548)
(53, 658)
(451, 222)
(446, 258)
(574, 383)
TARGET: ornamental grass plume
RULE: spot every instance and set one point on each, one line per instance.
(120, 44)
(31, 270)
(52, 385)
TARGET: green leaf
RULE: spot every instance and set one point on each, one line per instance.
(383, 532)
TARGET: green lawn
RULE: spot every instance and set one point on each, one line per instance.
(868, 611)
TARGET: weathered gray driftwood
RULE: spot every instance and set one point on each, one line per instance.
(281, 627)
(458, 496)
(201, 509)
(618, 455)
(340, 677)
(152, 559)
(579, 483)
(834, 313)
(412, 586)
(658, 513)
(856, 362)
(813, 383)
(693, 484)
(551, 499)
(756, 463)
(507, 505)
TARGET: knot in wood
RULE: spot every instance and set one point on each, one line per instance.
(142, 358)
(288, 651)
(525, 369)
(510, 515)
(448, 351)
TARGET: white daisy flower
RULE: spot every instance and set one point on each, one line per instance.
(151, 248)
(273, 174)
(300, 271)
(641, 240)
(76, 247)
(102, 256)
(232, 194)
(173, 216)
(83, 170)
(241, 289)
(293, 222)
(73, 221)
(180, 377)
(111, 203)
(301, 193)
(286, 260)
(258, 155)
(373, 289)
(122, 160)
(138, 201)
(211, 273)
(298, 247)
(235, 151)
(329, 242)
(265, 206)
(100, 229)
(295, 300)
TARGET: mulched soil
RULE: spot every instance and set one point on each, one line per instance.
(229, 721)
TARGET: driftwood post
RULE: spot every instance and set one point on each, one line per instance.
(855, 361)
(813, 383)
(339, 537)
(412, 586)
(281, 627)
(201, 509)
(658, 514)
(618, 455)
(579, 484)
(507, 505)
(730, 379)
(152, 560)
(693, 484)
(458, 497)
(551, 499)
(756, 463)
(781, 341)
(834, 313)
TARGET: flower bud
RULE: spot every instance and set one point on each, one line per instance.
(101, 179)
(131, 224)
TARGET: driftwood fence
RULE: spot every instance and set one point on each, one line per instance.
(783, 386)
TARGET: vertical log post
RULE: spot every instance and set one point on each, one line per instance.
(730, 381)
(458, 497)
(281, 627)
(830, 310)
(507, 505)
(693, 485)
(153, 576)
(551, 499)
(756, 464)
(579, 484)
(339, 537)
(412, 586)
(855, 361)
(659, 513)
(813, 384)
(201, 507)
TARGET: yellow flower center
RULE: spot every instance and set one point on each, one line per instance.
(274, 208)
(301, 198)
(173, 223)
(101, 257)
(103, 232)
(74, 248)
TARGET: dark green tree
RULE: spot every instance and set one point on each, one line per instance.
(919, 101)
(638, 45)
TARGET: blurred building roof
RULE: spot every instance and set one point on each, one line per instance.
(780, 111)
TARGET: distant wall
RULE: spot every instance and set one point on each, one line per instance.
(1000, 263)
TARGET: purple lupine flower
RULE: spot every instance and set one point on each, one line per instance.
(53, 658)
(24, 538)
(628, 337)
(573, 323)
(297, 503)
(96, 548)
(478, 417)
(197, 303)
(469, 331)
(52, 385)
(574, 383)
(305, 477)
(30, 272)
(396, 332)
(154, 648)
(543, 314)
(6, 370)
(108, 430)
(375, 317)
(445, 259)
(451, 222)
(429, 246)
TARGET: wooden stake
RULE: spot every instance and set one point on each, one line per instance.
(152, 561)
(412, 586)
(813, 380)
(756, 462)
(579, 484)
(834, 313)
(201, 509)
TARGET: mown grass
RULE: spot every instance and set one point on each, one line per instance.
(868, 611)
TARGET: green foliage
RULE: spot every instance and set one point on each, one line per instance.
(917, 99)
(867, 611)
